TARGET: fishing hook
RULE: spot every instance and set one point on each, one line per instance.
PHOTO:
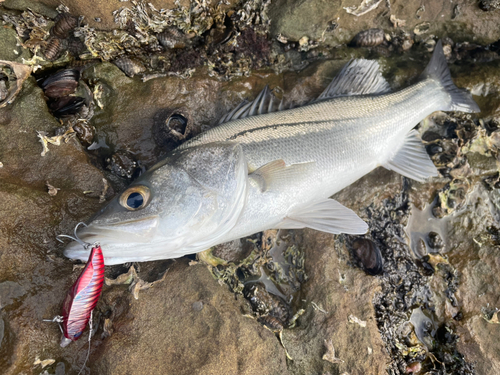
(86, 245)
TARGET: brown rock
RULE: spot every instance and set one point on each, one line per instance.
(166, 332)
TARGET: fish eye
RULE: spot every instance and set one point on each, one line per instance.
(135, 198)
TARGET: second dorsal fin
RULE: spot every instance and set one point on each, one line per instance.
(358, 77)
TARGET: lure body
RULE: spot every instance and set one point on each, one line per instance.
(82, 297)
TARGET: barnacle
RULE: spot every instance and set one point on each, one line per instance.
(12, 75)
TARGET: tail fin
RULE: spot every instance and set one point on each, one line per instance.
(461, 100)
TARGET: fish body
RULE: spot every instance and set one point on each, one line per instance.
(265, 168)
(82, 297)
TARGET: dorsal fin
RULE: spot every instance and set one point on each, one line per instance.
(265, 102)
(358, 77)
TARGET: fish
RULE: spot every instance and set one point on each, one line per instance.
(82, 297)
(265, 167)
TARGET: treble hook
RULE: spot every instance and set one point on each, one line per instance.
(75, 238)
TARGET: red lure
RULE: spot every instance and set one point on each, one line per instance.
(82, 297)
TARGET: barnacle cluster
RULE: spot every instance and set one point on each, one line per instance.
(147, 40)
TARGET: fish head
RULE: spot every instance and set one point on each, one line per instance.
(179, 206)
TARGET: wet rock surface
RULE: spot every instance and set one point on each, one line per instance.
(279, 302)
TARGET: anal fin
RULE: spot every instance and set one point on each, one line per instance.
(327, 216)
(412, 160)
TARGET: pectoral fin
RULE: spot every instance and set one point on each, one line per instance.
(274, 174)
(326, 216)
(412, 160)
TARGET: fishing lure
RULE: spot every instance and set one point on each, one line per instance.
(82, 297)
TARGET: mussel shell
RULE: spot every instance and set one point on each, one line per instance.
(66, 106)
(130, 66)
(368, 253)
(64, 24)
(368, 38)
(63, 83)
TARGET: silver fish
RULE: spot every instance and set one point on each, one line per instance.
(265, 167)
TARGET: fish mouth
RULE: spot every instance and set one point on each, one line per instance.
(113, 238)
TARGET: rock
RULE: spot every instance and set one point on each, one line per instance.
(180, 337)
(338, 291)
(34, 275)
(293, 20)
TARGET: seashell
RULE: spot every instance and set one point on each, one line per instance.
(129, 66)
(85, 133)
(174, 129)
(12, 76)
(172, 37)
(177, 124)
(122, 164)
(369, 255)
(53, 48)
(368, 38)
(63, 83)
(64, 24)
(66, 106)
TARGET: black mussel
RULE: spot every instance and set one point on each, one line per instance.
(130, 66)
(171, 38)
(66, 106)
(64, 24)
(53, 48)
(369, 255)
(63, 83)
(85, 133)
(368, 38)
(122, 163)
